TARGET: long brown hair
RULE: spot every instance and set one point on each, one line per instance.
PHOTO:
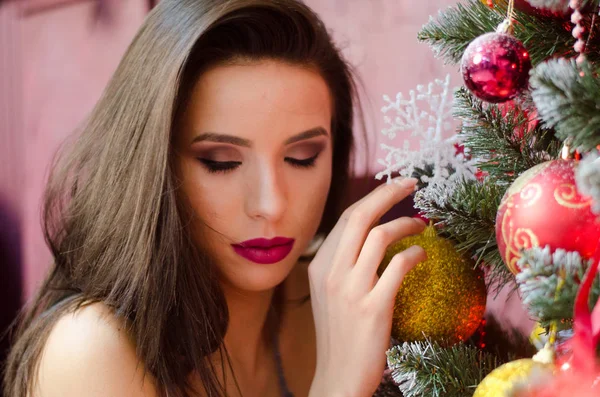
(111, 216)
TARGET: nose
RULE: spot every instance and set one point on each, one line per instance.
(266, 196)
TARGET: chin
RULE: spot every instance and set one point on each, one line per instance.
(245, 275)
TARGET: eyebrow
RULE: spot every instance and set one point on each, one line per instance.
(234, 140)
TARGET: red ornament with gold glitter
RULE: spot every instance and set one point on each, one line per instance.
(543, 207)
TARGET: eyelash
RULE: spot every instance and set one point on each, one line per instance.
(304, 163)
(219, 166)
(226, 166)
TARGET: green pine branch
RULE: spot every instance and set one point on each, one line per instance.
(543, 36)
(588, 179)
(567, 97)
(455, 27)
(549, 283)
(468, 216)
(492, 137)
(427, 369)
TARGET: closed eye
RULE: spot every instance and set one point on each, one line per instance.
(219, 166)
(303, 163)
(226, 166)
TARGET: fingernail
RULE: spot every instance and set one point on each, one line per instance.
(406, 182)
(418, 247)
(420, 221)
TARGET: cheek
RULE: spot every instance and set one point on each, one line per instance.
(322, 186)
(310, 193)
(205, 194)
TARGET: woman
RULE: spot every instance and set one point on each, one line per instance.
(179, 218)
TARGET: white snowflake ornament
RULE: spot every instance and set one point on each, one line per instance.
(427, 115)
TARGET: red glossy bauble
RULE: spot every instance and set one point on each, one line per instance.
(495, 67)
(543, 207)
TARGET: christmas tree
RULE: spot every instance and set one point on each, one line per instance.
(517, 193)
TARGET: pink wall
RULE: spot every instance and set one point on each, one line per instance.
(69, 54)
(11, 172)
(379, 37)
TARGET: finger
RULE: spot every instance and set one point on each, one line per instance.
(364, 216)
(323, 264)
(397, 180)
(376, 244)
(387, 287)
(323, 259)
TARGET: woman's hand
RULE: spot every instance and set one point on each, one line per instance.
(352, 307)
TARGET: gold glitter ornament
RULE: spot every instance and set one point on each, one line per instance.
(516, 377)
(442, 298)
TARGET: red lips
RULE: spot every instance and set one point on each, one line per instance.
(265, 251)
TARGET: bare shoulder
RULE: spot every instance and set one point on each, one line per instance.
(89, 353)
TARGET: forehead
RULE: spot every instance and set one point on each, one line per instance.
(267, 97)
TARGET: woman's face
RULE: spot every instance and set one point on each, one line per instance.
(254, 155)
